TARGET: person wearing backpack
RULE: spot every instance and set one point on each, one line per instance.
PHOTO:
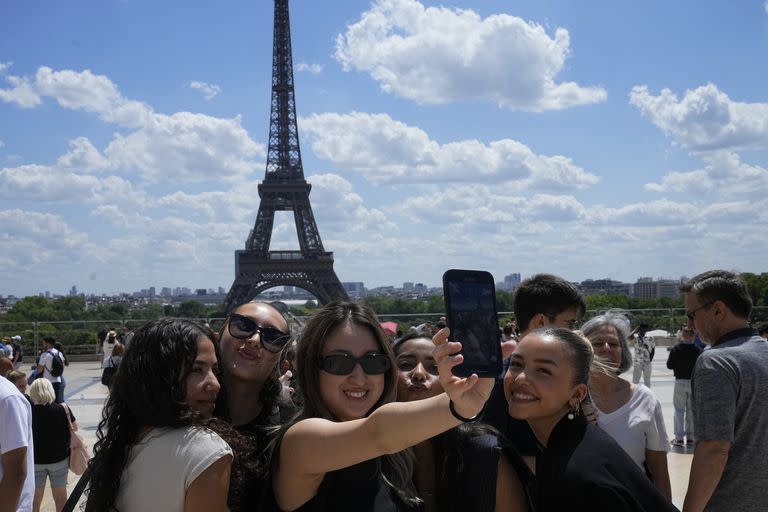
(51, 365)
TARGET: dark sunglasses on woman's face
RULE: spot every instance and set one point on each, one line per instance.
(242, 328)
(343, 364)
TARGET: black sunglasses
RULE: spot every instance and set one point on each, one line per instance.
(343, 364)
(242, 328)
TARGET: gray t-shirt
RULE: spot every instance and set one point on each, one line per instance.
(730, 403)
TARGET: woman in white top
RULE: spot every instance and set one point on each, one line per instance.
(630, 413)
(153, 450)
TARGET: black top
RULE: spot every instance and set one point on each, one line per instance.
(682, 358)
(50, 433)
(583, 468)
(467, 467)
(358, 488)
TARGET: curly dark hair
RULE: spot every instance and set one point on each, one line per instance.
(148, 390)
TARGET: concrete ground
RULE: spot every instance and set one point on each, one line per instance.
(85, 394)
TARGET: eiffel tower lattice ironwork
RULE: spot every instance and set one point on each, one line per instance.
(284, 189)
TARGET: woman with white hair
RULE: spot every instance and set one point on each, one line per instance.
(630, 413)
(51, 435)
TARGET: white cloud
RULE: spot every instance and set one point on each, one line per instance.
(2, 144)
(314, 69)
(209, 91)
(5, 66)
(83, 156)
(337, 206)
(388, 151)
(440, 55)
(724, 172)
(22, 92)
(44, 183)
(705, 119)
(186, 146)
(765, 6)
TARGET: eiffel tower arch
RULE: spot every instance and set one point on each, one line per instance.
(284, 189)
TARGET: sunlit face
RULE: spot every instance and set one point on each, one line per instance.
(417, 375)
(21, 384)
(539, 382)
(247, 359)
(352, 396)
(202, 386)
(702, 321)
(605, 341)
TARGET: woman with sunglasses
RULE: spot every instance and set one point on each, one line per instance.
(250, 342)
(579, 467)
(154, 450)
(464, 468)
(347, 450)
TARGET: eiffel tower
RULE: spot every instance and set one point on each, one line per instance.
(284, 189)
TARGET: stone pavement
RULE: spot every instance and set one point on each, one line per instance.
(85, 394)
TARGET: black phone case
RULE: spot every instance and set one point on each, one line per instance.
(491, 370)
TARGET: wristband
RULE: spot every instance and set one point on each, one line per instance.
(462, 418)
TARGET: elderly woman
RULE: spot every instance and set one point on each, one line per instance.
(630, 413)
(50, 431)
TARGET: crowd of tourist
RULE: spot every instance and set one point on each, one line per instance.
(343, 417)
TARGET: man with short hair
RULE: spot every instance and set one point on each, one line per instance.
(681, 360)
(17, 463)
(730, 406)
(544, 300)
(18, 351)
(45, 365)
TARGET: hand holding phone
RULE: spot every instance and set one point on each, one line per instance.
(470, 302)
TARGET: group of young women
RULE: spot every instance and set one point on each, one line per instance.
(196, 420)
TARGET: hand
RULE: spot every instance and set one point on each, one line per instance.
(468, 394)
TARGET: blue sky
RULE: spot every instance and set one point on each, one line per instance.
(588, 139)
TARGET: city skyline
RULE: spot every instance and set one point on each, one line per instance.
(619, 139)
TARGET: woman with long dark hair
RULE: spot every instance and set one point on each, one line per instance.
(464, 468)
(153, 450)
(348, 449)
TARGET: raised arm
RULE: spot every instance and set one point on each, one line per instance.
(315, 446)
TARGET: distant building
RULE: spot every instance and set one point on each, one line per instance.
(645, 288)
(648, 288)
(356, 289)
(166, 292)
(668, 288)
(604, 287)
(511, 282)
(73, 291)
(408, 286)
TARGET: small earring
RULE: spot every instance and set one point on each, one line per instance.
(571, 416)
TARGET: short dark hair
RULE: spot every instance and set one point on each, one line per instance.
(727, 287)
(547, 294)
(49, 340)
(763, 328)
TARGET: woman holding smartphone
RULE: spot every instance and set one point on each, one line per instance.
(348, 448)
(466, 467)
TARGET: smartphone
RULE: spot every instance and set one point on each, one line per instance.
(470, 303)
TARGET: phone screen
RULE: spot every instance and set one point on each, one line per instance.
(471, 313)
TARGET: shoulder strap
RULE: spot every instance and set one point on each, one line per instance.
(69, 418)
(71, 503)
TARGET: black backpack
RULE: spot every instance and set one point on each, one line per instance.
(57, 365)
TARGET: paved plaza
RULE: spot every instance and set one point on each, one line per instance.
(85, 394)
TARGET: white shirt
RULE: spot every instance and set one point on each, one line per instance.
(16, 432)
(164, 464)
(46, 359)
(638, 425)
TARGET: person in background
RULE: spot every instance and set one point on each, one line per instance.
(154, 451)
(580, 466)
(51, 432)
(681, 360)
(60, 392)
(17, 462)
(629, 413)
(763, 330)
(45, 365)
(645, 347)
(19, 379)
(18, 351)
(728, 472)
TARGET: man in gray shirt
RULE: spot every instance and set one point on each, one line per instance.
(730, 406)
